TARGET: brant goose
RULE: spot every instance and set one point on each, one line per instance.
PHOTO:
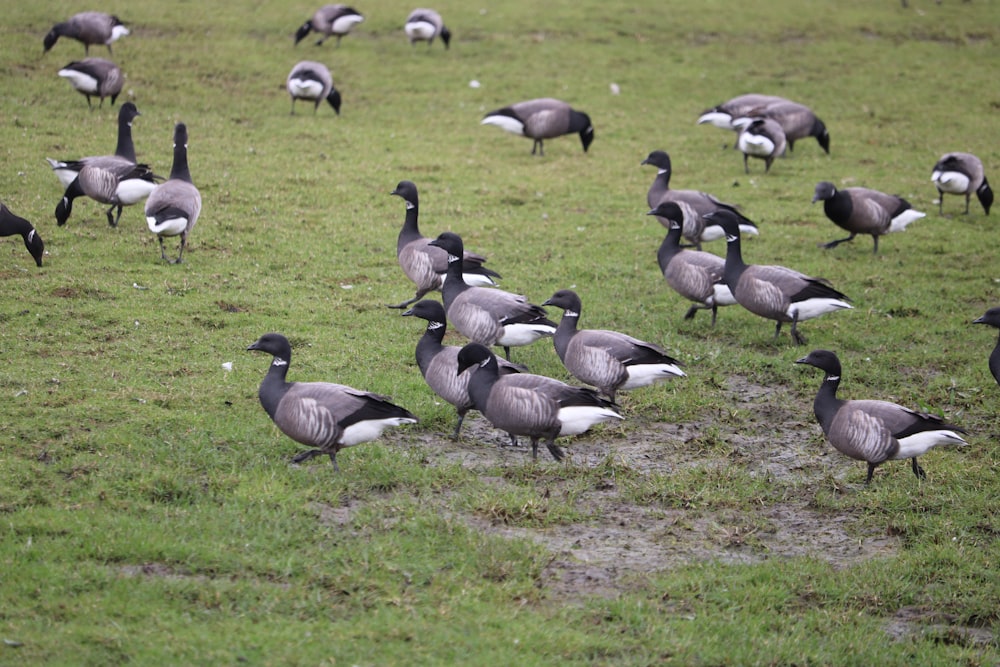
(11, 224)
(67, 170)
(874, 431)
(864, 211)
(330, 20)
(323, 415)
(761, 138)
(531, 405)
(961, 174)
(990, 318)
(88, 28)
(310, 80)
(542, 119)
(723, 115)
(173, 208)
(424, 25)
(94, 77)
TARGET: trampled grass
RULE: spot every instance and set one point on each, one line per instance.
(149, 512)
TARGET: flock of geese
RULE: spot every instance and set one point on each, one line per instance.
(329, 417)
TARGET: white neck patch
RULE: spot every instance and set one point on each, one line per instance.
(31, 235)
(453, 258)
(732, 237)
(409, 205)
(482, 364)
(434, 325)
(833, 378)
(279, 362)
(571, 313)
(661, 172)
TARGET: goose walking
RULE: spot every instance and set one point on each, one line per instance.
(531, 405)
(761, 138)
(88, 28)
(108, 180)
(11, 224)
(423, 25)
(774, 292)
(695, 275)
(723, 115)
(173, 208)
(864, 211)
(608, 360)
(874, 431)
(484, 315)
(438, 363)
(694, 204)
(94, 77)
(310, 80)
(427, 265)
(330, 20)
(67, 170)
(323, 415)
(542, 119)
(961, 174)
(990, 318)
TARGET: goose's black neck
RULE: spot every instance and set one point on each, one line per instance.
(125, 147)
(734, 259)
(455, 282)
(274, 386)
(410, 231)
(826, 404)
(669, 248)
(565, 331)
(179, 171)
(430, 344)
(838, 207)
(481, 384)
(11, 224)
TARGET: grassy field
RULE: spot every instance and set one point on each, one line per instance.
(149, 511)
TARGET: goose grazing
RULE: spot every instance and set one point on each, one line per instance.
(484, 315)
(531, 405)
(694, 204)
(874, 431)
(330, 20)
(608, 360)
(774, 292)
(11, 224)
(438, 363)
(67, 170)
(323, 415)
(310, 80)
(174, 207)
(761, 138)
(427, 265)
(723, 115)
(990, 318)
(542, 119)
(423, 25)
(797, 121)
(94, 77)
(961, 174)
(88, 28)
(108, 180)
(864, 211)
(695, 275)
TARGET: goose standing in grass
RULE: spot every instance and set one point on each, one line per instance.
(427, 265)
(484, 315)
(310, 80)
(531, 405)
(761, 138)
(608, 360)
(323, 415)
(695, 275)
(694, 204)
(542, 119)
(438, 363)
(723, 115)
(874, 431)
(67, 170)
(330, 20)
(961, 174)
(864, 211)
(174, 207)
(11, 224)
(774, 292)
(423, 25)
(94, 77)
(990, 318)
(797, 121)
(88, 28)
(108, 180)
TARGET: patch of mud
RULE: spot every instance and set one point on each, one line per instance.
(911, 622)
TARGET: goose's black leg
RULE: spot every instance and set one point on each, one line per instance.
(305, 456)
(917, 470)
(871, 471)
(554, 449)
(458, 426)
(796, 336)
(834, 244)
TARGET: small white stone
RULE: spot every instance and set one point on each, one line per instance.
(227, 366)
(347, 287)
(616, 89)
(474, 84)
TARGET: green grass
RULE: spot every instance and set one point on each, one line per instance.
(147, 508)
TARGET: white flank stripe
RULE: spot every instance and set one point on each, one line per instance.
(722, 295)
(642, 375)
(134, 190)
(900, 222)
(505, 122)
(366, 431)
(118, 32)
(81, 81)
(919, 443)
(578, 418)
(811, 308)
(721, 120)
(419, 30)
(345, 23)
(515, 335)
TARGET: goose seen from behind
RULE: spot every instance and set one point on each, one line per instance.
(864, 211)
(535, 406)
(961, 174)
(88, 28)
(11, 224)
(173, 208)
(423, 25)
(694, 274)
(94, 77)
(486, 315)
(874, 431)
(608, 360)
(438, 363)
(774, 292)
(990, 318)
(427, 265)
(322, 415)
(310, 80)
(67, 170)
(694, 204)
(330, 20)
(542, 119)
